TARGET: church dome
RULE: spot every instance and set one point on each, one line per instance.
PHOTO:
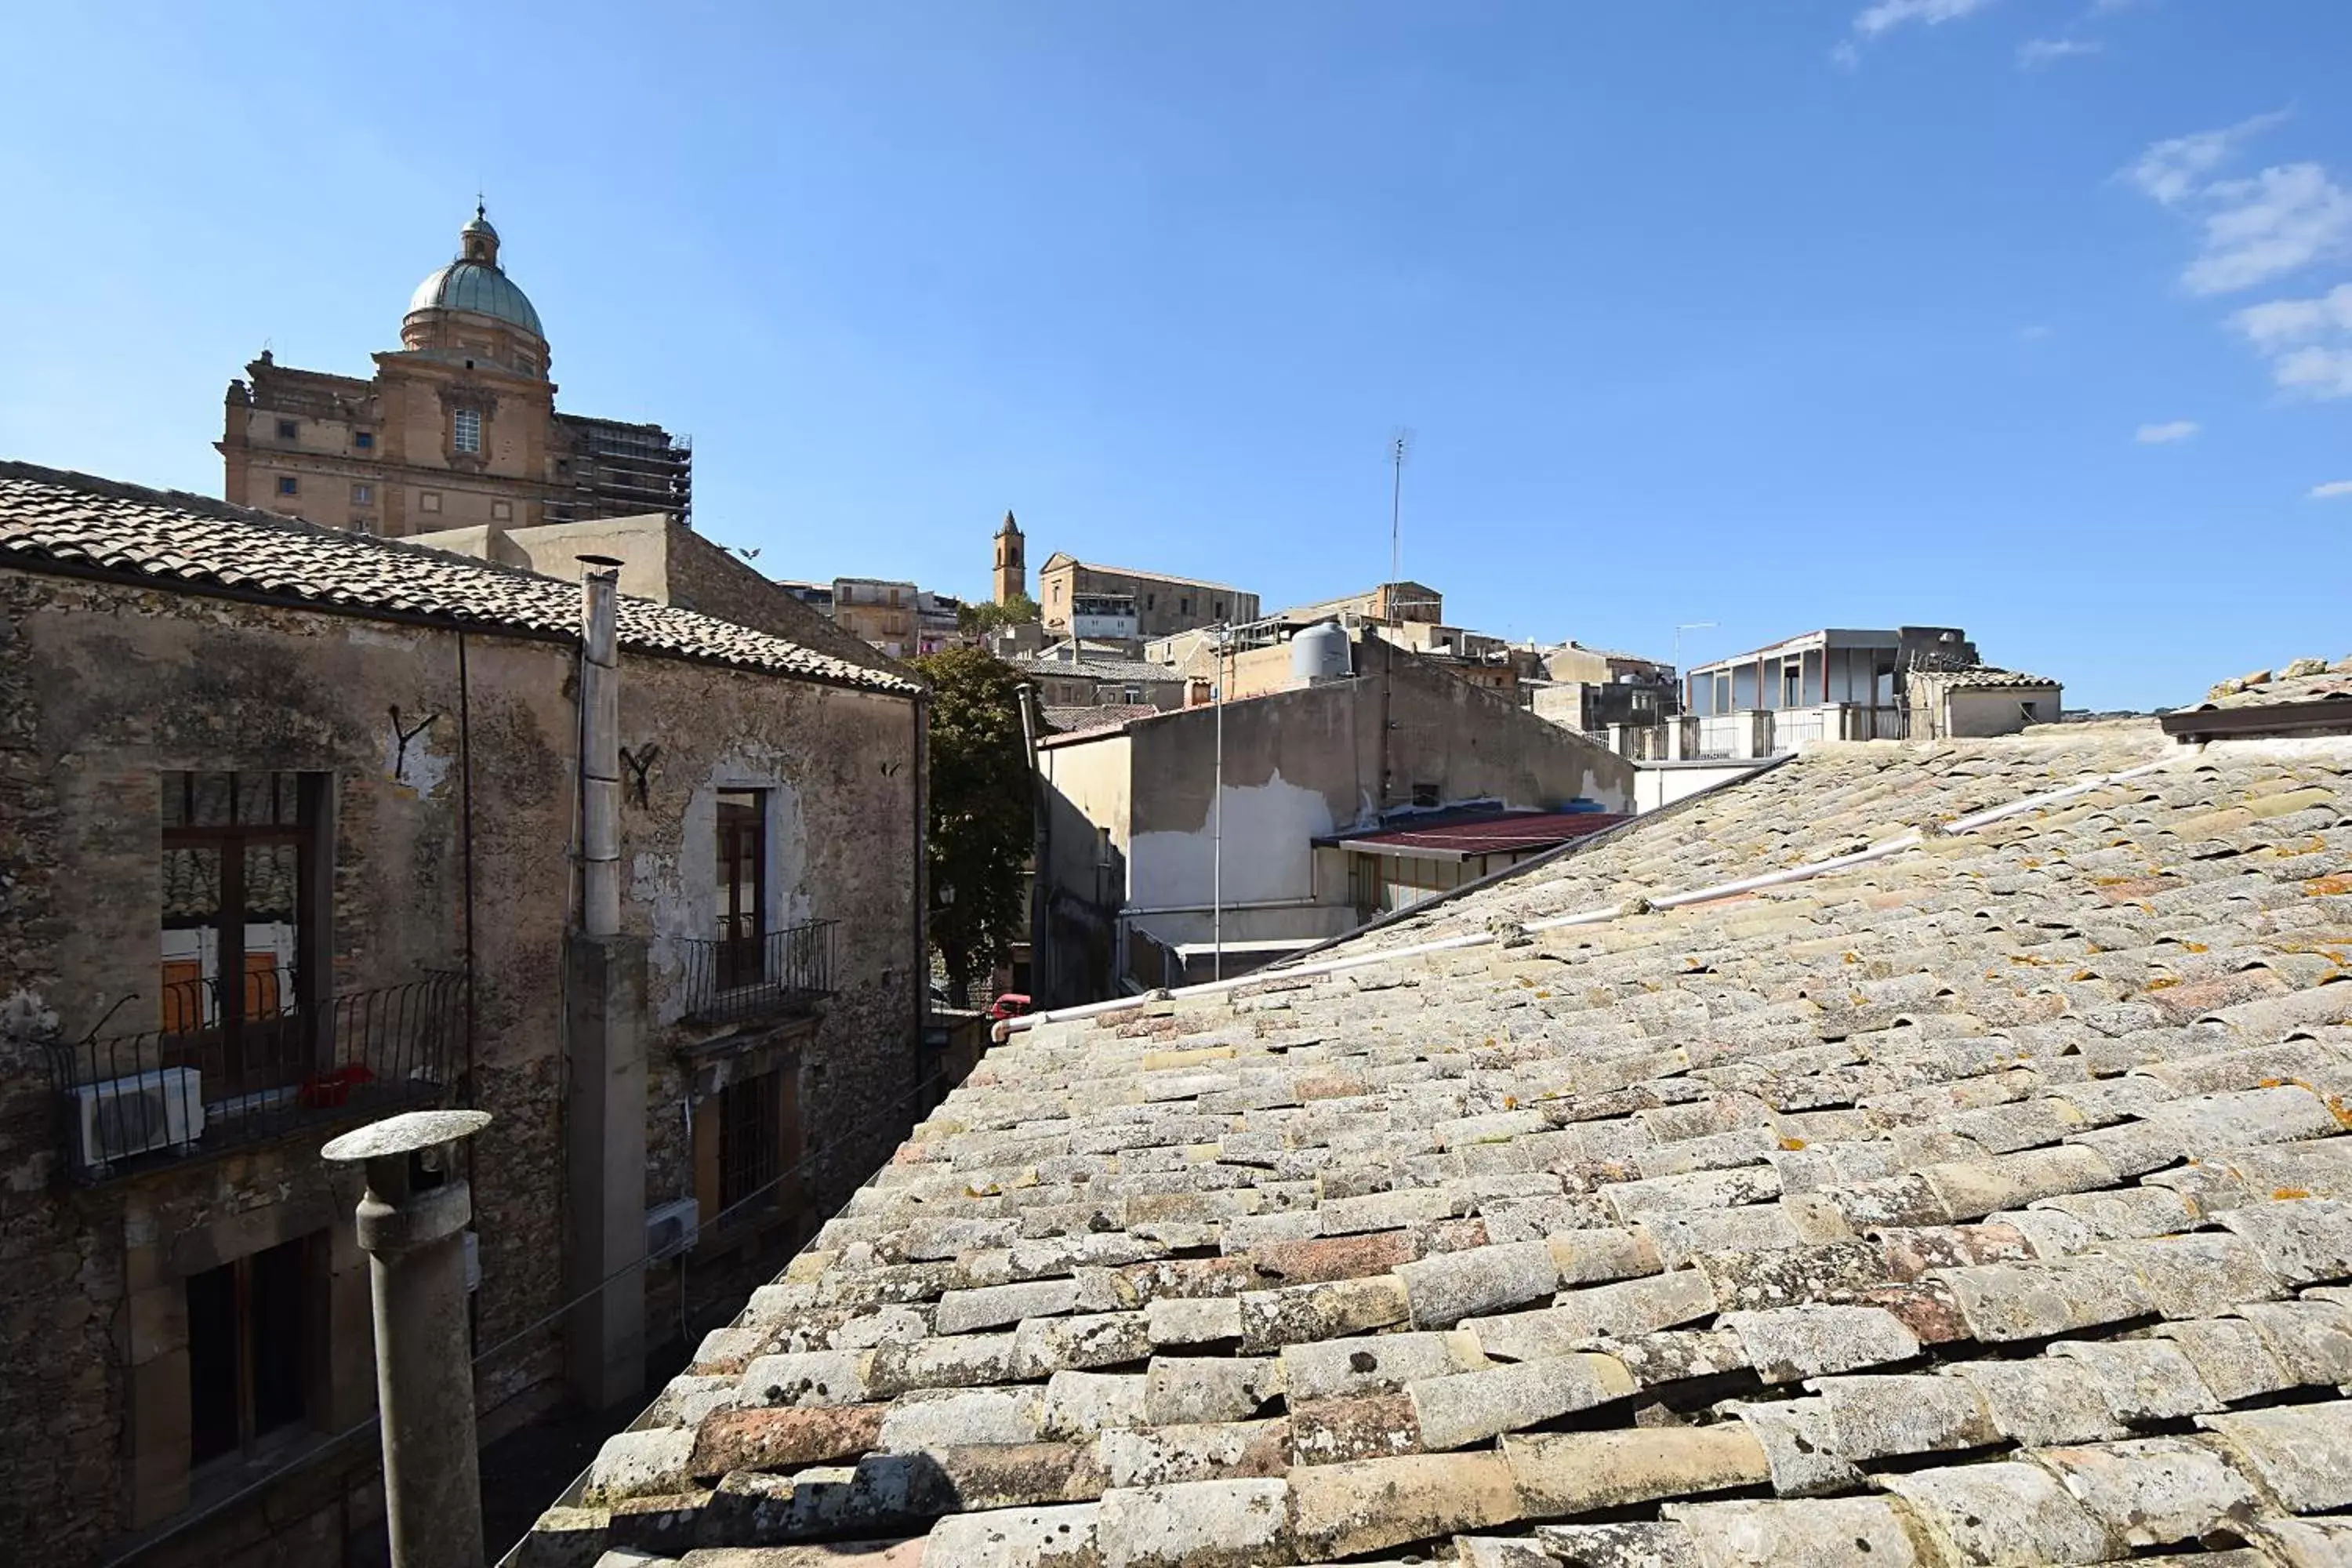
(475, 282)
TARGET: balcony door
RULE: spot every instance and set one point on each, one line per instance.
(234, 956)
(742, 886)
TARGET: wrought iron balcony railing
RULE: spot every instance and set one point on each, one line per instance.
(758, 975)
(219, 1078)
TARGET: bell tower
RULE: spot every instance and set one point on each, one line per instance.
(1012, 564)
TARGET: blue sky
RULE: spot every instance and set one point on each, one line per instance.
(1774, 313)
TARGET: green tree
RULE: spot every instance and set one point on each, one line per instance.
(987, 615)
(983, 812)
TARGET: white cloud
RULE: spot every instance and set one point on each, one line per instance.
(2281, 220)
(2172, 170)
(1889, 14)
(2282, 322)
(2307, 342)
(2171, 430)
(2334, 489)
(2317, 372)
(2035, 54)
(2032, 334)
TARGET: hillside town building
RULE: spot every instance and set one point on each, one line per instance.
(1156, 862)
(457, 429)
(1924, 1153)
(1161, 605)
(299, 828)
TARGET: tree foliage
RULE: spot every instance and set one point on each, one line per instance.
(987, 615)
(983, 812)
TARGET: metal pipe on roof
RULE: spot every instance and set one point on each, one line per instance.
(600, 747)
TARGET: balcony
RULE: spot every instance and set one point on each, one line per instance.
(219, 1078)
(1756, 732)
(758, 975)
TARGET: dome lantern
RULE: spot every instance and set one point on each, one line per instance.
(472, 284)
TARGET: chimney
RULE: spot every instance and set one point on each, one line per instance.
(411, 1225)
(600, 747)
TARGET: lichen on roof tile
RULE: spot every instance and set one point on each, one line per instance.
(1987, 1199)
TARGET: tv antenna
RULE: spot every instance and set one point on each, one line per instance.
(1400, 449)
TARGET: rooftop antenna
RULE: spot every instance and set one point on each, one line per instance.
(1400, 449)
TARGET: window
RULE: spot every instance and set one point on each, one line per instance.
(748, 1142)
(428, 501)
(1425, 795)
(288, 429)
(362, 494)
(1151, 601)
(1184, 605)
(289, 485)
(742, 854)
(2029, 711)
(466, 430)
(364, 439)
(249, 1334)
(502, 511)
(1221, 609)
(235, 949)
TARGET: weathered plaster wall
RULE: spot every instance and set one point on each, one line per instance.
(1297, 764)
(101, 688)
(1303, 763)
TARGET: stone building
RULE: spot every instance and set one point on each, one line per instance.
(286, 829)
(1163, 604)
(457, 429)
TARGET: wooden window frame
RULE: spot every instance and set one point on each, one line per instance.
(283, 1059)
(743, 920)
(253, 1339)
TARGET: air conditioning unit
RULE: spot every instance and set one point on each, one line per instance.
(120, 1117)
(672, 1230)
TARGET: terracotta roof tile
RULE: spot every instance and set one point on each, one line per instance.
(51, 519)
(1946, 1204)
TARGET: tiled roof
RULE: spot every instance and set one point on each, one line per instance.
(1067, 721)
(1987, 675)
(169, 540)
(2301, 680)
(1930, 1154)
(1096, 667)
(1492, 834)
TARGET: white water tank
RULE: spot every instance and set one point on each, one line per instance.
(1320, 653)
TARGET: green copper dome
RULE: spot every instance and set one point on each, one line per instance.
(475, 282)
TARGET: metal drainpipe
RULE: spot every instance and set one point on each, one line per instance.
(1040, 848)
(600, 747)
(413, 1230)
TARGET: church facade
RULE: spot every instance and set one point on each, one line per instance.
(457, 429)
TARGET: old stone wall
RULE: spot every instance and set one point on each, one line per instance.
(838, 767)
(104, 687)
